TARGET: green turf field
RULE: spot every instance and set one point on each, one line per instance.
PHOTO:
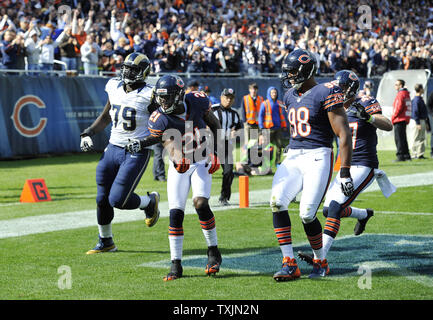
(393, 259)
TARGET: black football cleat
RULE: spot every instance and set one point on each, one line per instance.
(214, 261)
(360, 225)
(307, 257)
(152, 210)
(103, 245)
(176, 271)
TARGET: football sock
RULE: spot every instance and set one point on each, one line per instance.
(282, 229)
(144, 201)
(346, 212)
(104, 213)
(327, 243)
(176, 243)
(358, 213)
(209, 232)
(175, 233)
(313, 230)
(105, 231)
(332, 225)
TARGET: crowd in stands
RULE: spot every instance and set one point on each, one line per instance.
(215, 36)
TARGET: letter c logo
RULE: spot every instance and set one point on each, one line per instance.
(21, 128)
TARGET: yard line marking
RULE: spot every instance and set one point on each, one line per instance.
(81, 219)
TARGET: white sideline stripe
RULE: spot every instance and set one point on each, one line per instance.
(81, 219)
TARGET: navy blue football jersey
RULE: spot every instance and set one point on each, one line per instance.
(308, 115)
(364, 137)
(188, 124)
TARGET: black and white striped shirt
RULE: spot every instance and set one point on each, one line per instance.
(228, 118)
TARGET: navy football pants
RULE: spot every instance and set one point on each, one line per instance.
(117, 175)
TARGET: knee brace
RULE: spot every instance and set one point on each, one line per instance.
(176, 218)
(325, 212)
(334, 210)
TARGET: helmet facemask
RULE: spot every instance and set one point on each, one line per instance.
(349, 91)
(294, 78)
(132, 74)
(168, 100)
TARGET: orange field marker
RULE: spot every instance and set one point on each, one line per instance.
(244, 192)
(35, 190)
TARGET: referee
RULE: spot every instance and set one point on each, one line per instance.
(230, 121)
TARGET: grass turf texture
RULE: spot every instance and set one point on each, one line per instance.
(29, 264)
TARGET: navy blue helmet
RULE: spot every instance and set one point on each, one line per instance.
(169, 92)
(135, 68)
(348, 81)
(298, 66)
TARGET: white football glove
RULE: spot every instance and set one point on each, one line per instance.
(133, 146)
(347, 186)
(86, 143)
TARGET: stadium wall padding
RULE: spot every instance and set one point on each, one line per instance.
(45, 115)
(41, 115)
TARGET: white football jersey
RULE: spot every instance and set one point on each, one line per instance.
(129, 112)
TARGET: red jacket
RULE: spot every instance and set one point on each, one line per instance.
(401, 110)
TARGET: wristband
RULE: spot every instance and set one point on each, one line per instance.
(344, 172)
(87, 132)
(371, 120)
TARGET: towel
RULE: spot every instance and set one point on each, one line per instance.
(385, 185)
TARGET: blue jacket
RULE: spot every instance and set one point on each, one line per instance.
(275, 107)
(419, 109)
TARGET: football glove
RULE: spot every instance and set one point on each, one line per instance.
(133, 146)
(182, 166)
(347, 186)
(346, 182)
(86, 143)
(361, 113)
(214, 163)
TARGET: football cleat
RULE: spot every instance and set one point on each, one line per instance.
(289, 270)
(176, 271)
(360, 225)
(104, 245)
(308, 258)
(152, 210)
(320, 269)
(214, 260)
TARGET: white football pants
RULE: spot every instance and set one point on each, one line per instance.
(306, 170)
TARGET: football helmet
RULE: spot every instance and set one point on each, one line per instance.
(169, 93)
(348, 81)
(135, 68)
(298, 66)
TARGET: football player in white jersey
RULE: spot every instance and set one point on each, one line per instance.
(119, 172)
